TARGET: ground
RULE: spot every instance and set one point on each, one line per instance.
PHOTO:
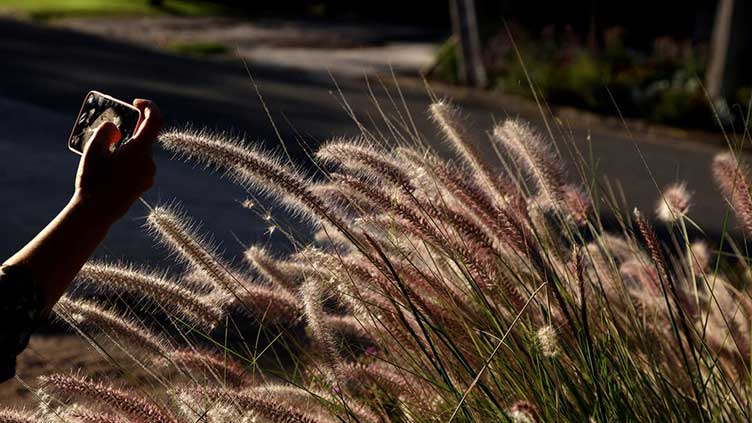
(54, 353)
(47, 70)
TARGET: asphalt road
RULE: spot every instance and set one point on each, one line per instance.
(45, 73)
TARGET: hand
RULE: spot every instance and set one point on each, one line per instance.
(111, 181)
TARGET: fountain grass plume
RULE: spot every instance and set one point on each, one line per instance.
(162, 290)
(249, 166)
(340, 199)
(534, 156)
(17, 416)
(358, 156)
(576, 203)
(273, 410)
(176, 232)
(731, 175)
(450, 120)
(347, 327)
(364, 377)
(267, 305)
(700, 257)
(652, 244)
(524, 412)
(548, 342)
(79, 414)
(137, 407)
(674, 203)
(84, 312)
(381, 201)
(308, 398)
(270, 268)
(312, 292)
(223, 368)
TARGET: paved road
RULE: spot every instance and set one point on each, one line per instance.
(45, 72)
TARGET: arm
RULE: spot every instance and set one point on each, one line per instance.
(107, 184)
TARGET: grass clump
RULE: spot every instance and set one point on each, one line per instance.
(203, 48)
(430, 290)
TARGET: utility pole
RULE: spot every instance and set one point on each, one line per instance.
(726, 45)
(465, 28)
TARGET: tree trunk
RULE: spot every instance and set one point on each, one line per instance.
(465, 27)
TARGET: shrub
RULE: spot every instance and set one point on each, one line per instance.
(435, 290)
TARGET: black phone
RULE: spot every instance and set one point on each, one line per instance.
(97, 109)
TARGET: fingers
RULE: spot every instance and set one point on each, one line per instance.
(101, 142)
(151, 123)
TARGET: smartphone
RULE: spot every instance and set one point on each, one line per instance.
(97, 109)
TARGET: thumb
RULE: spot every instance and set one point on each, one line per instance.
(101, 142)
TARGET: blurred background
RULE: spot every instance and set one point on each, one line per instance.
(649, 90)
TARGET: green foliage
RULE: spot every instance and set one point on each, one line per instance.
(206, 48)
(47, 9)
(661, 85)
(445, 67)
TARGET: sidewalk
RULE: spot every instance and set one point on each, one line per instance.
(346, 49)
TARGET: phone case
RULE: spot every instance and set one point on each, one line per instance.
(97, 109)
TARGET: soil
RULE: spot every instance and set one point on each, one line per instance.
(64, 353)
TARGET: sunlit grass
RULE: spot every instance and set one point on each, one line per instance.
(46, 9)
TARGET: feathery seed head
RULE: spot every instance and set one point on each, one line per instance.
(276, 306)
(223, 369)
(127, 402)
(652, 244)
(81, 414)
(523, 412)
(249, 166)
(82, 312)
(17, 416)
(674, 203)
(359, 157)
(576, 204)
(269, 409)
(312, 294)
(159, 289)
(640, 277)
(449, 119)
(548, 341)
(700, 257)
(176, 233)
(269, 268)
(732, 178)
(534, 156)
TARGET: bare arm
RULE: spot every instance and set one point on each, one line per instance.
(107, 184)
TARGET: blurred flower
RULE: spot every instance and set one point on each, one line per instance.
(523, 412)
(549, 345)
(674, 203)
